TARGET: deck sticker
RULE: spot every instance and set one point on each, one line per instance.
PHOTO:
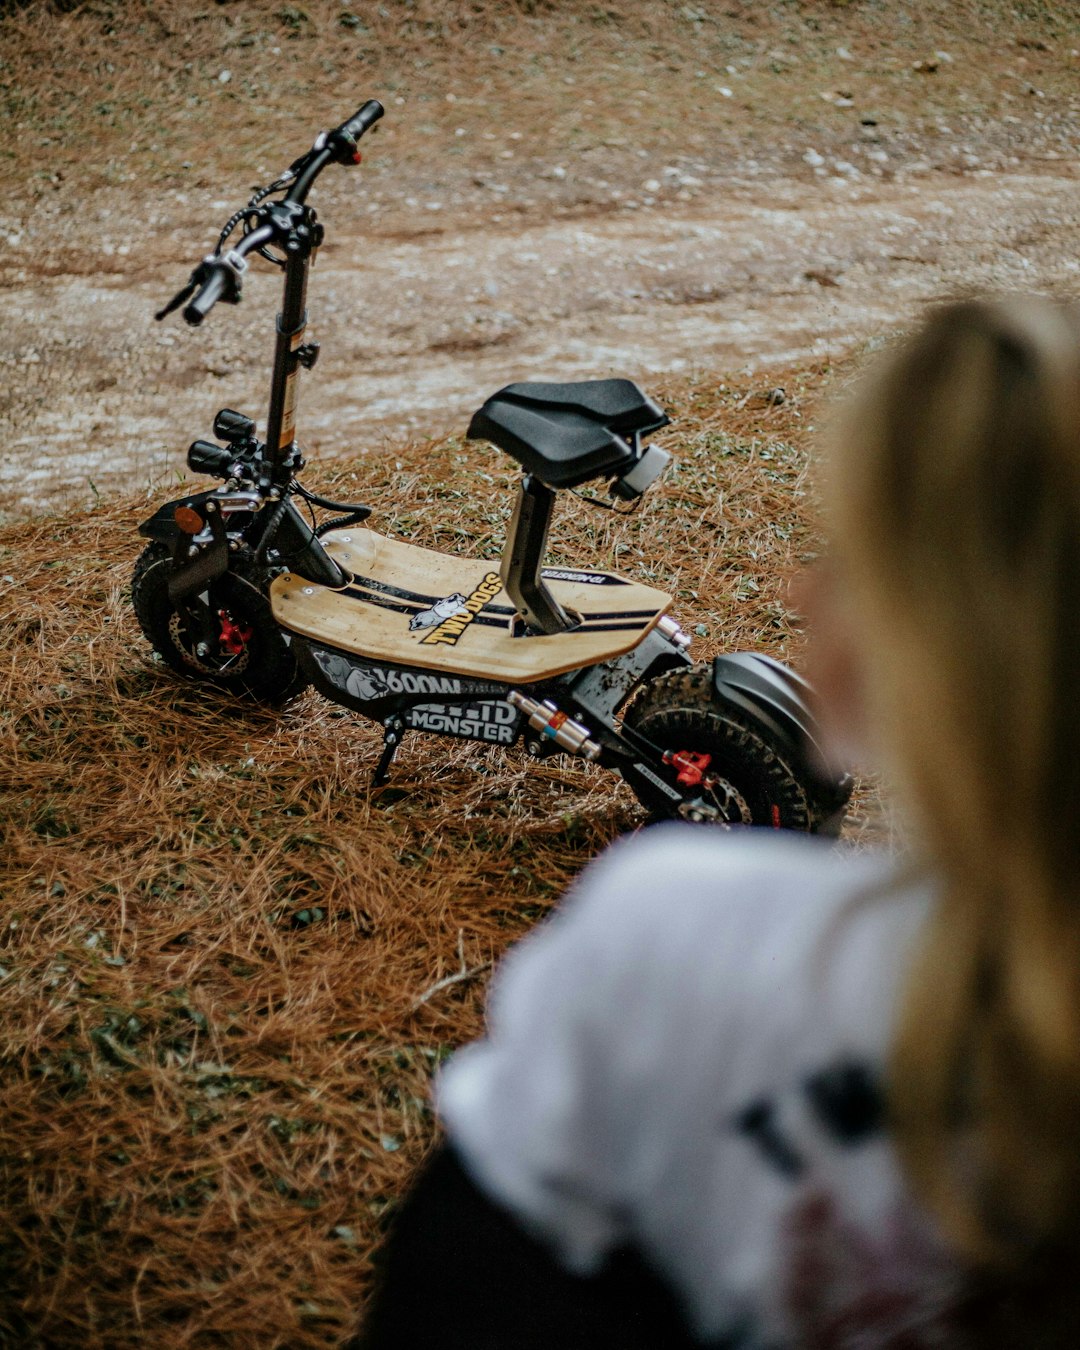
(447, 619)
(586, 578)
(370, 683)
(441, 609)
(490, 720)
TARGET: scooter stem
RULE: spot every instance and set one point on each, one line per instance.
(291, 323)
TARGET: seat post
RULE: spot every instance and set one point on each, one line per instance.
(523, 555)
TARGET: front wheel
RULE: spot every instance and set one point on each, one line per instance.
(737, 771)
(227, 637)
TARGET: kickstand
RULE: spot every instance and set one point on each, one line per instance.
(392, 737)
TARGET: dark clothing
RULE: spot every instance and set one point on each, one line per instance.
(458, 1273)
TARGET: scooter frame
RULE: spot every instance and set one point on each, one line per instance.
(254, 520)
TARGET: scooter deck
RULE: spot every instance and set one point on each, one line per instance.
(411, 606)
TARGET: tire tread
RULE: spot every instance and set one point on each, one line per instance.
(684, 700)
(276, 680)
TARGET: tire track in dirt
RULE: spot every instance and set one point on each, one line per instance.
(417, 332)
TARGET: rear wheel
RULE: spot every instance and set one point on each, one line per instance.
(236, 645)
(748, 777)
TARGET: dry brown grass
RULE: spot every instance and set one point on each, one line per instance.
(216, 936)
(131, 94)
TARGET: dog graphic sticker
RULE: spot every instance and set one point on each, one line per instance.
(440, 610)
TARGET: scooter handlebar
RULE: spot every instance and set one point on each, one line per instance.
(219, 276)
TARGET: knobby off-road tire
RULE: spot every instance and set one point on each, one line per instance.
(265, 669)
(757, 783)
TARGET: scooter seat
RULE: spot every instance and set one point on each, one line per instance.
(567, 434)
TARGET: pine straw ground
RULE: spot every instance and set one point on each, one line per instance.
(222, 951)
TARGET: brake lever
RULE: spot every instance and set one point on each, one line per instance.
(298, 165)
(183, 296)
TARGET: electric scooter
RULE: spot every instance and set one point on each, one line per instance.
(236, 588)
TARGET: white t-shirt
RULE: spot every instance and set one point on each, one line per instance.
(686, 1059)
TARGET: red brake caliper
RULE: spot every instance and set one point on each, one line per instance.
(234, 637)
(691, 766)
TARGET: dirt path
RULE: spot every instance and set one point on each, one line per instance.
(418, 331)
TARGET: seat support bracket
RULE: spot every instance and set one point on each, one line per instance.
(523, 556)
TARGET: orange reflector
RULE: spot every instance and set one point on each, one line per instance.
(188, 519)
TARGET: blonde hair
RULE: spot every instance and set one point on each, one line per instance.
(954, 497)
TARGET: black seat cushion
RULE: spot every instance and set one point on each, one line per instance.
(566, 434)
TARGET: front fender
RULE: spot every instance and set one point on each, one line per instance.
(773, 694)
(193, 566)
(162, 524)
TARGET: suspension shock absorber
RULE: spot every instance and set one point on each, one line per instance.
(555, 725)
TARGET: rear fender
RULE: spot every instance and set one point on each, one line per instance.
(775, 696)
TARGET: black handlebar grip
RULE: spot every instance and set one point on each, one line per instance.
(206, 297)
(363, 119)
(341, 142)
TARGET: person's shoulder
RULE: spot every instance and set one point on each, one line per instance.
(680, 914)
(687, 873)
